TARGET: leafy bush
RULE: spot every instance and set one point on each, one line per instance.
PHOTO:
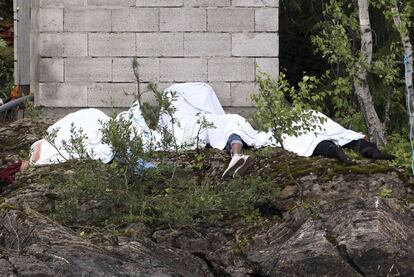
(100, 195)
(399, 145)
(275, 113)
(127, 144)
(6, 69)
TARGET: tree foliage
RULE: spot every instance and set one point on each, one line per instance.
(275, 113)
(323, 38)
(6, 10)
(6, 69)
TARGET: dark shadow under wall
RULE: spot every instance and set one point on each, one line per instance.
(297, 21)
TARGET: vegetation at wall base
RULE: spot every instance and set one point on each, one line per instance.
(6, 52)
(6, 69)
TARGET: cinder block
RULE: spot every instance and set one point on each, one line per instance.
(160, 3)
(104, 45)
(112, 94)
(267, 20)
(241, 93)
(207, 44)
(148, 69)
(223, 93)
(51, 20)
(89, 20)
(268, 65)
(63, 45)
(51, 45)
(135, 20)
(183, 69)
(62, 3)
(231, 69)
(75, 45)
(255, 45)
(207, 3)
(87, 70)
(255, 3)
(230, 20)
(183, 19)
(51, 70)
(111, 3)
(62, 95)
(159, 44)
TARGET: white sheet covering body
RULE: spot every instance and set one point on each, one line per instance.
(89, 120)
(194, 100)
(305, 144)
(200, 98)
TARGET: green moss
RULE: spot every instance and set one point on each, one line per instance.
(288, 166)
(5, 206)
(367, 169)
(405, 175)
(241, 245)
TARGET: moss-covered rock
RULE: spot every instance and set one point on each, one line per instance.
(335, 219)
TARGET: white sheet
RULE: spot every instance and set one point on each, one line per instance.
(199, 99)
(305, 144)
(193, 101)
(89, 120)
(195, 98)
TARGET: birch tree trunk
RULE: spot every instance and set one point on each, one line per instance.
(408, 60)
(374, 125)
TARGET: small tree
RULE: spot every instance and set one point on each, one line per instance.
(127, 144)
(345, 40)
(401, 12)
(275, 113)
(164, 108)
(204, 124)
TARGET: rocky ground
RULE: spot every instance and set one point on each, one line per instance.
(327, 220)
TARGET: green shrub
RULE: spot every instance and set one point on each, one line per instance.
(99, 195)
(275, 113)
(399, 145)
(6, 69)
(126, 143)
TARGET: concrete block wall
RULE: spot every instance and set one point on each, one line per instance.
(86, 48)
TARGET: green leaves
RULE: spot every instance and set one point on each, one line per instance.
(385, 193)
(339, 42)
(6, 69)
(275, 113)
(3, 43)
(126, 143)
